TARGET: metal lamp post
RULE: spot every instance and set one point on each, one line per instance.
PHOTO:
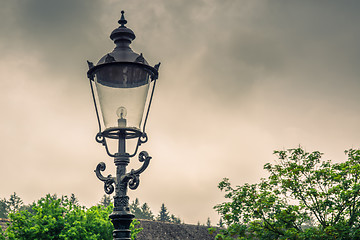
(122, 82)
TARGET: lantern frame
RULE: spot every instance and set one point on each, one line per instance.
(117, 132)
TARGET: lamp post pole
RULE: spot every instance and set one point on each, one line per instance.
(121, 217)
(122, 79)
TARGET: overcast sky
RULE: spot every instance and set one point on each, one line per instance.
(238, 79)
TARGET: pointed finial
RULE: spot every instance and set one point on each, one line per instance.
(122, 20)
(122, 33)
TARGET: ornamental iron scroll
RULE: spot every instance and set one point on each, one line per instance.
(108, 181)
(132, 179)
(133, 176)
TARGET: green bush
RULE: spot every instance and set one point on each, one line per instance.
(303, 198)
(54, 218)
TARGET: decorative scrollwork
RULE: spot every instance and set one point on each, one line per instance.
(100, 138)
(143, 139)
(108, 181)
(108, 187)
(144, 156)
(133, 176)
(156, 76)
(134, 180)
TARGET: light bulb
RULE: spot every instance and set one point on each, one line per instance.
(121, 112)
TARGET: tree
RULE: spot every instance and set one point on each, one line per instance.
(60, 218)
(175, 219)
(135, 208)
(208, 222)
(221, 223)
(73, 200)
(163, 214)
(2, 234)
(14, 203)
(105, 200)
(142, 212)
(303, 198)
(4, 208)
(146, 212)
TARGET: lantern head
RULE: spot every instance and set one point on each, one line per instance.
(122, 79)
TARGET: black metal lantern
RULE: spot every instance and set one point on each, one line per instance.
(122, 80)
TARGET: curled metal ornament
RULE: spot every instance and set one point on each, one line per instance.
(133, 176)
(145, 158)
(100, 138)
(134, 180)
(143, 139)
(108, 181)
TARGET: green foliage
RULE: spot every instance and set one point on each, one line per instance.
(163, 214)
(105, 200)
(146, 212)
(55, 218)
(142, 212)
(2, 235)
(303, 198)
(73, 200)
(4, 208)
(14, 203)
(175, 219)
(221, 223)
(134, 230)
(208, 222)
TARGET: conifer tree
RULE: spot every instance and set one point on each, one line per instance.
(4, 208)
(105, 200)
(14, 203)
(146, 212)
(163, 214)
(208, 222)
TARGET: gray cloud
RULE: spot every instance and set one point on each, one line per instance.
(59, 32)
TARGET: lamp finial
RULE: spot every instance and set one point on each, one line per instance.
(122, 20)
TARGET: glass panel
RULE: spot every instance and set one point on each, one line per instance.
(122, 87)
(122, 76)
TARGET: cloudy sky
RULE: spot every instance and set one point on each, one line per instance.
(239, 79)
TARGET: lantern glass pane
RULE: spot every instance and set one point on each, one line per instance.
(119, 87)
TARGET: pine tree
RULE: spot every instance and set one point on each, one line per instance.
(146, 212)
(163, 214)
(221, 223)
(73, 199)
(14, 203)
(175, 219)
(135, 208)
(105, 200)
(4, 208)
(208, 222)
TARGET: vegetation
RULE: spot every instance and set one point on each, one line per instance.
(208, 222)
(106, 200)
(144, 212)
(12, 205)
(61, 218)
(304, 197)
(163, 214)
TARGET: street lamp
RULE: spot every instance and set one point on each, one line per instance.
(122, 82)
